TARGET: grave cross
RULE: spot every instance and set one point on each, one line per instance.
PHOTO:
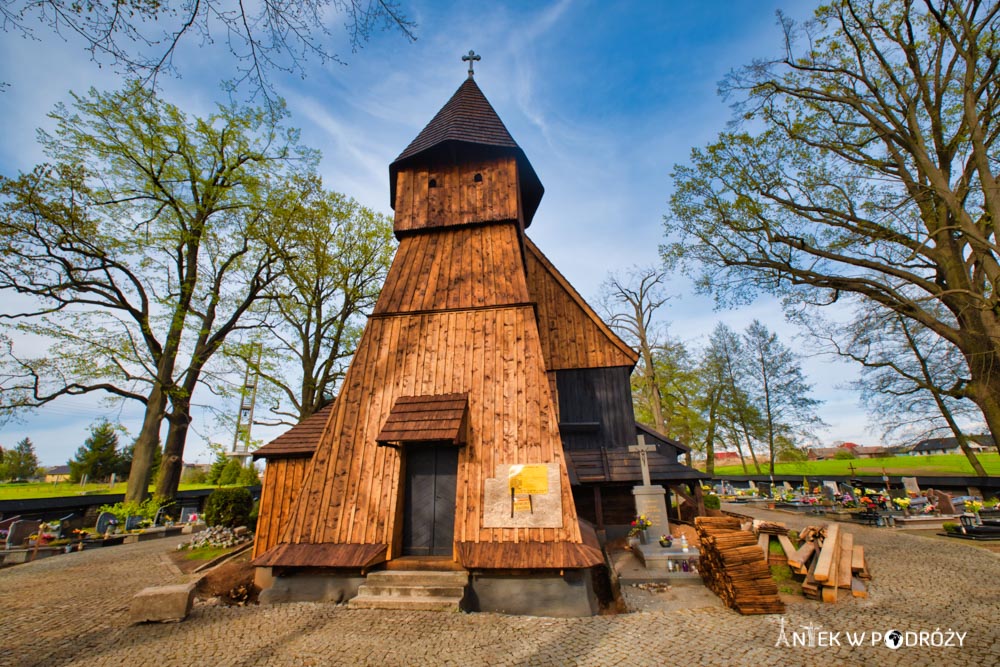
(642, 448)
(470, 59)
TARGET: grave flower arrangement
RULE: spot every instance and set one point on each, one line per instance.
(973, 506)
(930, 508)
(666, 541)
(639, 524)
(901, 503)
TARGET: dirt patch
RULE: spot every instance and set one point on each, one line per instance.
(230, 583)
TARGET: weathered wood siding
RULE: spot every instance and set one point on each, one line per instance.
(469, 267)
(282, 480)
(352, 486)
(457, 198)
(596, 395)
(572, 334)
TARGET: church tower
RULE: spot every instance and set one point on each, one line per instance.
(444, 441)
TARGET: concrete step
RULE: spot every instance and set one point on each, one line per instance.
(417, 578)
(373, 590)
(412, 603)
(412, 589)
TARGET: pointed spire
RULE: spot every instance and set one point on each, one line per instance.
(469, 120)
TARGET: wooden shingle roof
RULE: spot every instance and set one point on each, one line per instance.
(300, 440)
(426, 419)
(469, 121)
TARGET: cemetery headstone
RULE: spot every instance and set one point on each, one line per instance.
(829, 490)
(20, 531)
(189, 514)
(911, 486)
(104, 521)
(846, 488)
(787, 486)
(942, 500)
(133, 522)
(650, 499)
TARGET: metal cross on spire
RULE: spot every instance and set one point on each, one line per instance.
(471, 58)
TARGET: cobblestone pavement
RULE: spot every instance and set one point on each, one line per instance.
(72, 610)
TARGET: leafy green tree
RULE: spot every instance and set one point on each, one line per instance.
(335, 263)
(218, 464)
(98, 457)
(862, 167)
(21, 462)
(144, 244)
(778, 388)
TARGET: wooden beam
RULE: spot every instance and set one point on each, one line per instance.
(828, 553)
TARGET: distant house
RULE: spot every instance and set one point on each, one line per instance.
(57, 474)
(726, 458)
(873, 452)
(822, 453)
(978, 443)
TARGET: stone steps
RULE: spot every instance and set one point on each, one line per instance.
(411, 589)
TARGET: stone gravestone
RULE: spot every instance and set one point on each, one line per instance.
(787, 486)
(104, 522)
(132, 522)
(942, 500)
(650, 500)
(829, 490)
(847, 488)
(20, 531)
(188, 514)
(911, 486)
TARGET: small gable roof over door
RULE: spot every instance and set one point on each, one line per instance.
(436, 418)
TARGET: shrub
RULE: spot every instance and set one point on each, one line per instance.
(844, 454)
(228, 507)
(254, 513)
(712, 502)
(950, 527)
(122, 511)
(230, 473)
(248, 476)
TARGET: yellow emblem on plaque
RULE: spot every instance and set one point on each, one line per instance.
(529, 478)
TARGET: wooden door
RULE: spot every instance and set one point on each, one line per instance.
(429, 508)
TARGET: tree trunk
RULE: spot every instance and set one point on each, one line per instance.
(710, 438)
(145, 444)
(172, 466)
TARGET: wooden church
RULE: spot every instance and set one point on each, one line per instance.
(444, 449)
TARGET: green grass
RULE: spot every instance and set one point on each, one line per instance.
(208, 553)
(939, 465)
(56, 489)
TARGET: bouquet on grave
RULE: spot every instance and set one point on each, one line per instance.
(973, 506)
(639, 524)
(901, 503)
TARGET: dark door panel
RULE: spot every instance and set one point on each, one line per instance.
(429, 512)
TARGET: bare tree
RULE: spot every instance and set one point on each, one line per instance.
(630, 301)
(141, 38)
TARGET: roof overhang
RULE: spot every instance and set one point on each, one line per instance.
(427, 419)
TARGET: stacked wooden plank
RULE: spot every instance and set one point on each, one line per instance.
(734, 568)
(831, 562)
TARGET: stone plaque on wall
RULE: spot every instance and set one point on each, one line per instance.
(510, 503)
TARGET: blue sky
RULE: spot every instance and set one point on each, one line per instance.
(603, 97)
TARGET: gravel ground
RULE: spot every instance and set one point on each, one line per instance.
(73, 610)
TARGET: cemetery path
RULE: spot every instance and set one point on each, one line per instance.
(72, 610)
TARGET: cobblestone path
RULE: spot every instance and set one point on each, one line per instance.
(72, 610)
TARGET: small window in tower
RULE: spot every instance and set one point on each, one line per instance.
(432, 183)
(478, 178)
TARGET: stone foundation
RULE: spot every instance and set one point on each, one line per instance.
(568, 595)
(308, 587)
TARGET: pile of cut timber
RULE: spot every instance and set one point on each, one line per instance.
(734, 568)
(831, 562)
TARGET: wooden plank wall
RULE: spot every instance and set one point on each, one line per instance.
(282, 481)
(600, 395)
(458, 199)
(469, 267)
(352, 486)
(572, 334)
